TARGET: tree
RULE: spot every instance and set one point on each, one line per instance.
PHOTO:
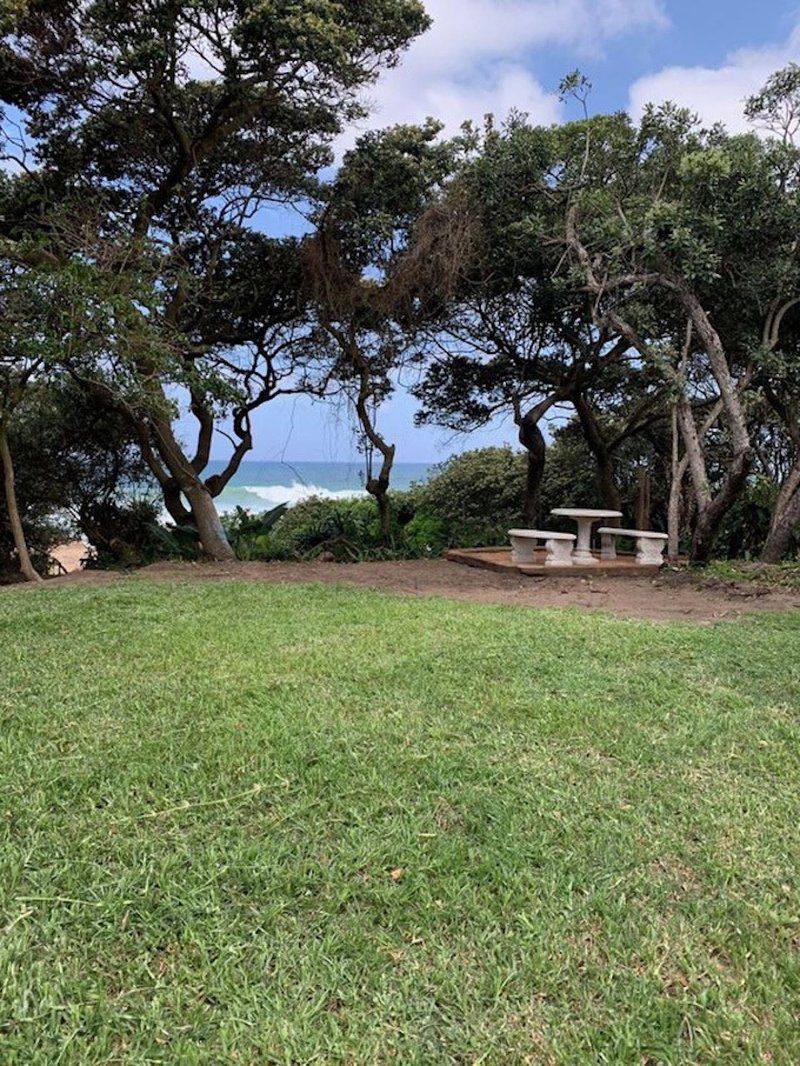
(180, 123)
(517, 338)
(61, 318)
(13, 381)
(776, 108)
(368, 303)
(695, 223)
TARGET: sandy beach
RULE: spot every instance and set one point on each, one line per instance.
(70, 555)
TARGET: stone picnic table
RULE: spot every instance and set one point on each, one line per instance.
(585, 517)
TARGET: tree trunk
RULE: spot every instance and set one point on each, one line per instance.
(705, 533)
(712, 511)
(212, 536)
(604, 458)
(643, 498)
(786, 513)
(25, 565)
(210, 530)
(532, 440)
(379, 488)
(173, 501)
(376, 486)
(785, 518)
(677, 475)
(674, 516)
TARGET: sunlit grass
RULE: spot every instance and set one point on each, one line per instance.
(782, 575)
(262, 824)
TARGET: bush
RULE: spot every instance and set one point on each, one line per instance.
(424, 537)
(43, 533)
(747, 524)
(251, 535)
(477, 496)
(76, 464)
(347, 528)
(124, 532)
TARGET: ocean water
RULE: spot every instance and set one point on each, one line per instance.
(259, 486)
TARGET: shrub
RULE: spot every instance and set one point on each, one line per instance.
(75, 465)
(251, 535)
(124, 531)
(424, 537)
(43, 533)
(347, 528)
(476, 496)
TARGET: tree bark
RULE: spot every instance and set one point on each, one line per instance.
(532, 440)
(173, 501)
(376, 486)
(25, 565)
(212, 536)
(711, 513)
(785, 518)
(643, 498)
(604, 458)
(711, 510)
(379, 486)
(786, 513)
(210, 530)
(677, 475)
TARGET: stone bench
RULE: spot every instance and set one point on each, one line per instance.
(557, 545)
(649, 545)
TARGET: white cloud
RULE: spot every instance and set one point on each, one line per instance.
(452, 100)
(474, 59)
(717, 94)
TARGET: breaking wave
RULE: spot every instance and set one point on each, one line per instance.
(264, 497)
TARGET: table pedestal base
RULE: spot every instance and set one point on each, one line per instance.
(583, 558)
(582, 555)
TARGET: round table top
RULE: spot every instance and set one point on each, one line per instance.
(584, 512)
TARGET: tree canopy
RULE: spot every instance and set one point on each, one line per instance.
(636, 281)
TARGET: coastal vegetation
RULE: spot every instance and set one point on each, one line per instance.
(637, 277)
(439, 815)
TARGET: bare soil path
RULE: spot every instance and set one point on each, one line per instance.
(669, 596)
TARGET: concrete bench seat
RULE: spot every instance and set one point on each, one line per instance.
(649, 545)
(557, 545)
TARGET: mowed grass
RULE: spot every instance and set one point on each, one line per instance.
(258, 824)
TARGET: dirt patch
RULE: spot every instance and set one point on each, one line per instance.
(665, 597)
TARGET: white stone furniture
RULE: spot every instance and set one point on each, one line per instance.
(649, 545)
(585, 517)
(557, 545)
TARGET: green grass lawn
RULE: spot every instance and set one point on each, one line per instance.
(259, 824)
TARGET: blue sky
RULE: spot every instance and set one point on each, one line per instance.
(491, 55)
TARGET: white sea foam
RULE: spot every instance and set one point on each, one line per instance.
(277, 494)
